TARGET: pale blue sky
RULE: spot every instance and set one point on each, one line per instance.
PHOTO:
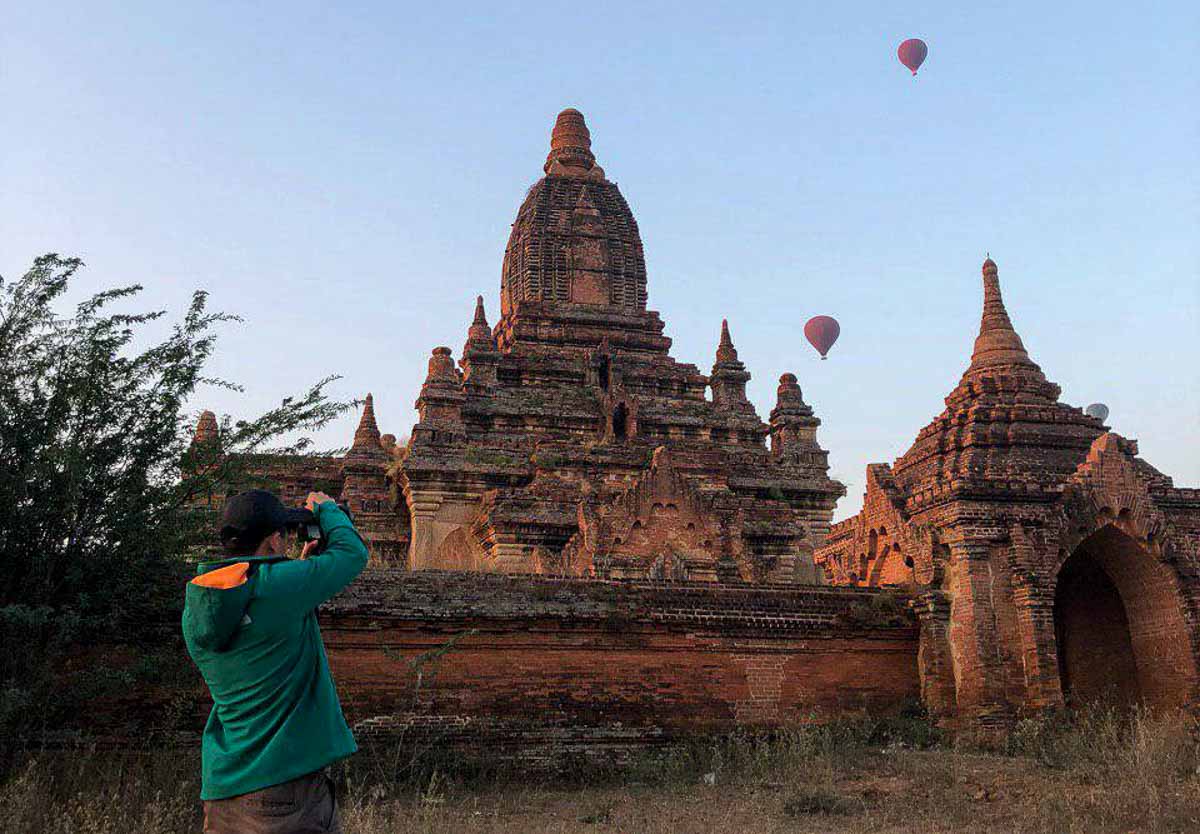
(344, 177)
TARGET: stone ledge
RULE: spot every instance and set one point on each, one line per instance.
(441, 596)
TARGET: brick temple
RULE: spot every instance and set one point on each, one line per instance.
(567, 440)
(1046, 560)
(624, 532)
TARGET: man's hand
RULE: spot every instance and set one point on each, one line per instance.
(315, 498)
(308, 548)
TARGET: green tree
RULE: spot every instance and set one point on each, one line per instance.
(100, 495)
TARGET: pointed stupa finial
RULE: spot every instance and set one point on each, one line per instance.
(729, 376)
(570, 142)
(366, 436)
(479, 334)
(726, 352)
(997, 342)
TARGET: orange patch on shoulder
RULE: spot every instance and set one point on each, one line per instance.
(229, 576)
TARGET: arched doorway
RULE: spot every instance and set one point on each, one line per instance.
(1120, 626)
(1095, 651)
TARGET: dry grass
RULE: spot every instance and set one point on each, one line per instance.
(1094, 774)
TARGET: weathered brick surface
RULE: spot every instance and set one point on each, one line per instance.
(588, 654)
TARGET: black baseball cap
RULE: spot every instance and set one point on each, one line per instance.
(249, 517)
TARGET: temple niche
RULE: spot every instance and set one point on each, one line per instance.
(567, 440)
(1048, 563)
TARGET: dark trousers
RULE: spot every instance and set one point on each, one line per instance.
(306, 805)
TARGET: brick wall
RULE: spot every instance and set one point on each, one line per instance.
(598, 658)
(539, 671)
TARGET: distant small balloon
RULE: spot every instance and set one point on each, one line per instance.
(912, 53)
(822, 332)
(1097, 410)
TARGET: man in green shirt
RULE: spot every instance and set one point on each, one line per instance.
(250, 625)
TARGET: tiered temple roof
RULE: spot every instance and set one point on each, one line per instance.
(1003, 431)
(558, 410)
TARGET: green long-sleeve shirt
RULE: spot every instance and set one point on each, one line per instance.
(250, 625)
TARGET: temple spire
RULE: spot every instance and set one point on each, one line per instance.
(479, 356)
(366, 436)
(793, 425)
(479, 332)
(726, 352)
(997, 342)
(440, 402)
(571, 148)
(729, 376)
(788, 397)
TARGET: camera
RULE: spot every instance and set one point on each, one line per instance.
(308, 530)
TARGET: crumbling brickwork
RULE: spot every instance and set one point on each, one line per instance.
(659, 657)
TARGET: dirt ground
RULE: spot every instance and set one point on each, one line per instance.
(1099, 774)
(897, 793)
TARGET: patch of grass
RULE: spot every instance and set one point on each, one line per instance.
(810, 800)
(549, 460)
(1139, 764)
(85, 791)
(603, 815)
(1100, 772)
(745, 756)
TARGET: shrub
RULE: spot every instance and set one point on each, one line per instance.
(103, 494)
(101, 489)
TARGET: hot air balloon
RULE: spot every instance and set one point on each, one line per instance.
(822, 332)
(912, 53)
(1097, 410)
